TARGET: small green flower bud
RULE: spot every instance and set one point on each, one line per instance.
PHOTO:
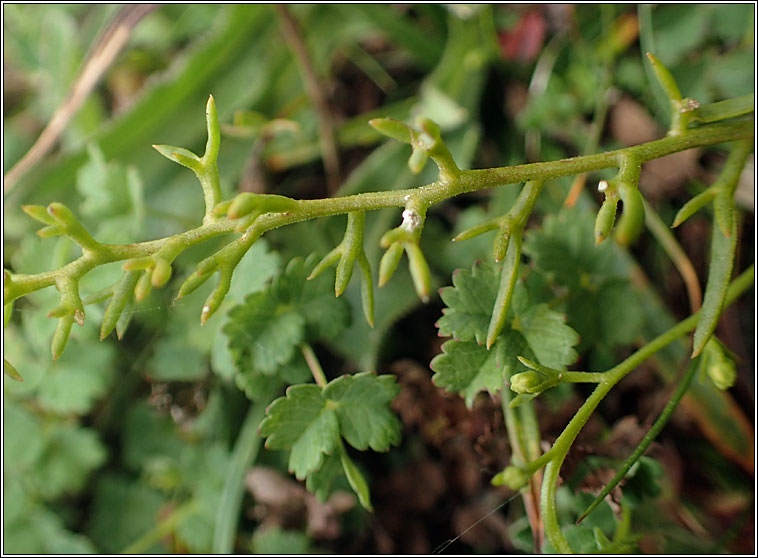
(719, 367)
(513, 477)
(527, 382)
(257, 204)
(722, 374)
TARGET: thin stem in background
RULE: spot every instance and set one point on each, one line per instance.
(684, 266)
(246, 450)
(314, 365)
(111, 43)
(294, 39)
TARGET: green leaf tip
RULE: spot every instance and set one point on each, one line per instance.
(392, 128)
(184, 157)
(123, 293)
(606, 218)
(214, 134)
(664, 77)
(11, 371)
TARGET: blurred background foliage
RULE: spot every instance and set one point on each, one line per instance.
(125, 445)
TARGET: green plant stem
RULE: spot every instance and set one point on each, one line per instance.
(524, 437)
(462, 182)
(582, 377)
(163, 528)
(246, 450)
(668, 242)
(562, 444)
(651, 435)
(314, 365)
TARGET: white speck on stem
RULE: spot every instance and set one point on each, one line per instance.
(602, 186)
(411, 220)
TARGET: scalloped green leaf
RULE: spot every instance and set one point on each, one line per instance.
(309, 420)
(266, 329)
(363, 409)
(603, 307)
(469, 303)
(467, 367)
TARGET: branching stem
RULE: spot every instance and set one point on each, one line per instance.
(463, 182)
(556, 455)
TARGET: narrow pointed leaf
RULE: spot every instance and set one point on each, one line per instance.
(11, 371)
(180, 155)
(367, 289)
(693, 205)
(646, 441)
(389, 262)
(664, 77)
(60, 337)
(326, 262)
(355, 478)
(39, 213)
(720, 271)
(508, 277)
(419, 271)
(606, 217)
(392, 128)
(122, 294)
